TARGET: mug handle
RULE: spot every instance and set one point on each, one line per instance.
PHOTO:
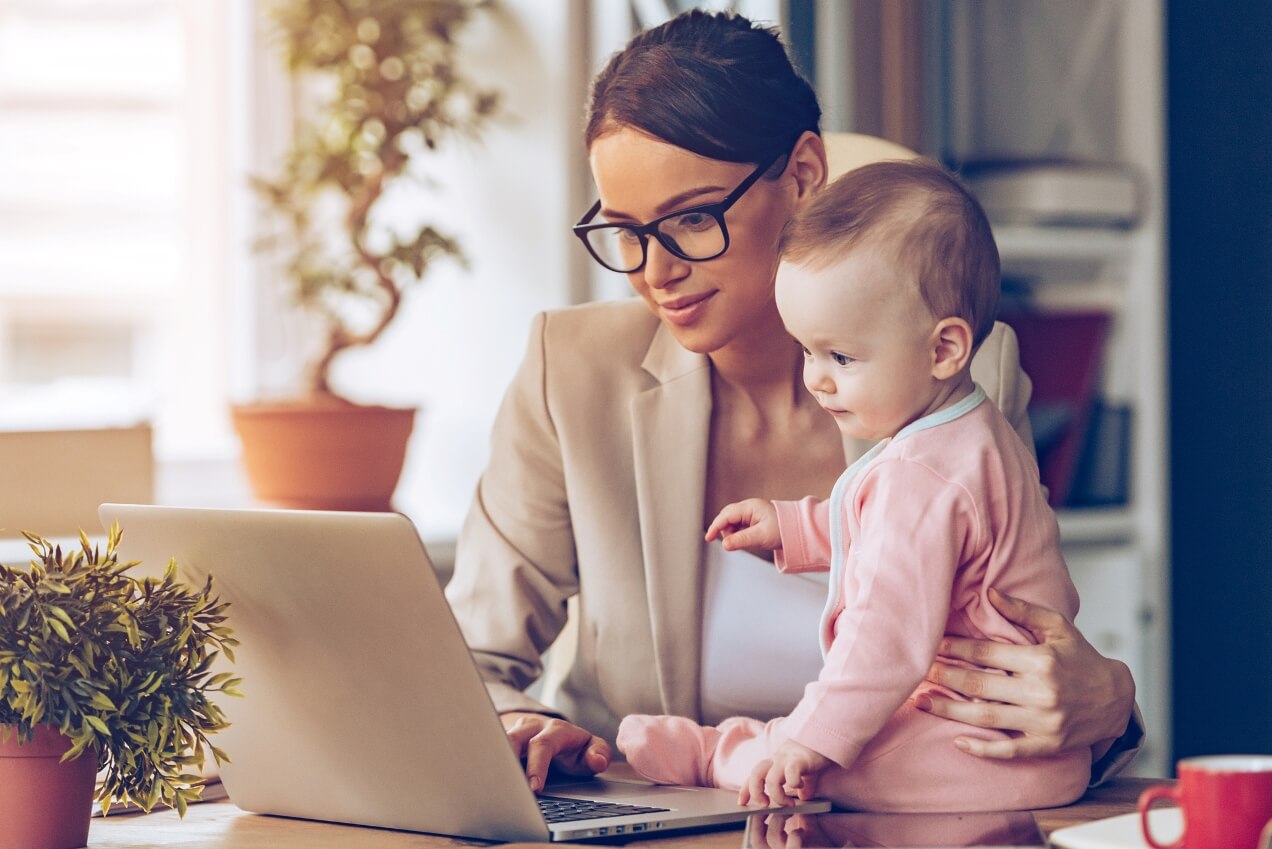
(1146, 800)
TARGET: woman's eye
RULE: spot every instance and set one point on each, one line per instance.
(840, 359)
(627, 237)
(695, 221)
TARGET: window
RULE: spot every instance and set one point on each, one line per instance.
(117, 176)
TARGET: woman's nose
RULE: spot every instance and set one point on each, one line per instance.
(662, 267)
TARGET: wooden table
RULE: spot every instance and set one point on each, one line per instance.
(220, 825)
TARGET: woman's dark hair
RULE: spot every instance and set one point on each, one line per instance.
(712, 83)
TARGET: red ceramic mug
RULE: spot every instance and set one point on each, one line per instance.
(1226, 801)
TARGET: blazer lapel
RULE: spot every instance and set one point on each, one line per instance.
(670, 426)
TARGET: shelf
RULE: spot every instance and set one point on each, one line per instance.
(1096, 525)
(1063, 254)
(1092, 243)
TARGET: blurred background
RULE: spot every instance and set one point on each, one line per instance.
(1120, 147)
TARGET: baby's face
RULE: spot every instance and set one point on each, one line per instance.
(867, 336)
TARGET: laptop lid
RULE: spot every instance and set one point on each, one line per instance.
(361, 701)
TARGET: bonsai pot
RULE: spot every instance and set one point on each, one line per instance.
(44, 804)
(323, 453)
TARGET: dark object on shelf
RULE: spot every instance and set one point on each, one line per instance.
(1103, 475)
(1062, 352)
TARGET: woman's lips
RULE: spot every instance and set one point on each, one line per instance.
(686, 310)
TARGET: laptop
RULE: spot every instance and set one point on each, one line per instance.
(362, 704)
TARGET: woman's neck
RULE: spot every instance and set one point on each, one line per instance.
(764, 365)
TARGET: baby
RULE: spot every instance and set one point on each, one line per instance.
(889, 282)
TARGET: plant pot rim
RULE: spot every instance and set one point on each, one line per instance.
(332, 403)
(47, 742)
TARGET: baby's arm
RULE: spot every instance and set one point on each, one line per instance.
(746, 524)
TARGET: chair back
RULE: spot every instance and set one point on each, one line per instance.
(846, 151)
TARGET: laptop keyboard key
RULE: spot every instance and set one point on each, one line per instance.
(562, 809)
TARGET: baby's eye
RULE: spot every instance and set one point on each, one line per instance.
(807, 353)
(840, 359)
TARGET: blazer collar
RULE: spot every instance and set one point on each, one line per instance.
(667, 359)
(671, 424)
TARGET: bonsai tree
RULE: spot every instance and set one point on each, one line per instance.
(122, 666)
(386, 88)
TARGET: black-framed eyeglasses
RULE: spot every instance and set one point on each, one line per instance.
(695, 234)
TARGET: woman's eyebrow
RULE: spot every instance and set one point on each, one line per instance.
(671, 204)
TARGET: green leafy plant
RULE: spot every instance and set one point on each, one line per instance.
(384, 88)
(120, 665)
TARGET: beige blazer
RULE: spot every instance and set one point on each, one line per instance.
(595, 487)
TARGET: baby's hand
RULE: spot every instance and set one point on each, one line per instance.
(790, 775)
(747, 524)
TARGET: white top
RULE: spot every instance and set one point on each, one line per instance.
(759, 635)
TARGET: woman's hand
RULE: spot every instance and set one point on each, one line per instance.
(545, 741)
(746, 524)
(1060, 694)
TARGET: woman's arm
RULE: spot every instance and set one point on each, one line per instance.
(515, 560)
(1060, 694)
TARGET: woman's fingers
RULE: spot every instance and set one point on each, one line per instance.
(980, 714)
(1045, 623)
(543, 741)
(1016, 747)
(994, 686)
(1008, 657)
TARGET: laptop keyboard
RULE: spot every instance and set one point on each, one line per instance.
(559, 809)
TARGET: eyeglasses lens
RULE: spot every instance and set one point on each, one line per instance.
(694, 236)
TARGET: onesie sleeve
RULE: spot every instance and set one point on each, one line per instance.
(804, 526)
(915, 529)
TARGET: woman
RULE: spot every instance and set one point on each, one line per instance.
(630, 424)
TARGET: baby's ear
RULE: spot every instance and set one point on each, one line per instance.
(951, 347)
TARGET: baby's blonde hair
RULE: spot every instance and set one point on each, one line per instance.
(925, 217)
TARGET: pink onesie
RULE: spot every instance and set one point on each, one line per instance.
(914, 534)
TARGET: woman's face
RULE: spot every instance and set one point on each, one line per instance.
(706, 304)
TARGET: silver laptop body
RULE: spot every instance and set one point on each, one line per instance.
(361, 702)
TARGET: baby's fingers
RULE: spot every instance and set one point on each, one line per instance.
(752, 537)
(724, 523)
(752, 792)
(793, 780)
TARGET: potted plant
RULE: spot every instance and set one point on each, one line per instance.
(385, 89)
(101, 670)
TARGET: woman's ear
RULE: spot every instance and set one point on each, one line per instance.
(951, 347)
(807, 165)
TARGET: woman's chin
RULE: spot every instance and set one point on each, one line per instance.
(697, 338)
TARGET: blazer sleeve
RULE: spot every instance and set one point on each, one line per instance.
(996, 367)
(515, 564)
(1109, 760)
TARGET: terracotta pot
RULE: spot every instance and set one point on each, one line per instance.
(44, 804)
(323, 453)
